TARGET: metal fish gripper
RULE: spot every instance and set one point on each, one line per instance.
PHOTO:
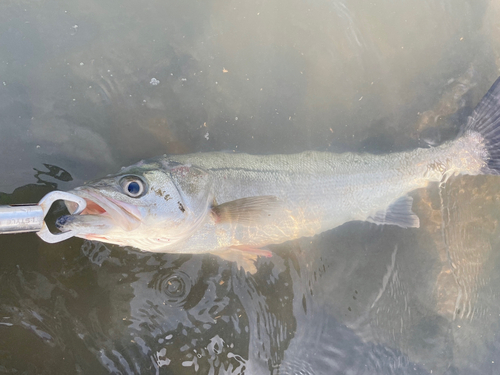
(24, 218)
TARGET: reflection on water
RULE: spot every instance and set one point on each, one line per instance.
(87, 87)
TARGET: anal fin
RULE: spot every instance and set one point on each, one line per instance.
(398, 213)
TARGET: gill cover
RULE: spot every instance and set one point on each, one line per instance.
(195, 194)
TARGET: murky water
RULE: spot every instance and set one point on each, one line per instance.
(87, 87)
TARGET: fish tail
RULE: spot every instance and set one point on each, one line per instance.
(485, 121)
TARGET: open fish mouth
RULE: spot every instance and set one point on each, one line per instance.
(100, 214)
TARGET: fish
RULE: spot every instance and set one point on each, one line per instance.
(235, 205)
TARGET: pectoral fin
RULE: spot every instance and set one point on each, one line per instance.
(399, 213)
(246, 211)
(244, 256)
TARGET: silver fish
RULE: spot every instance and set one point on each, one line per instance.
(233, 205)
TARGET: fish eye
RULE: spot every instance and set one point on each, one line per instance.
(132, 186)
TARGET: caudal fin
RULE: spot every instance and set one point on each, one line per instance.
(485, 120)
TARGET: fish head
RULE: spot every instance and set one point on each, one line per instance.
(150, 205)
